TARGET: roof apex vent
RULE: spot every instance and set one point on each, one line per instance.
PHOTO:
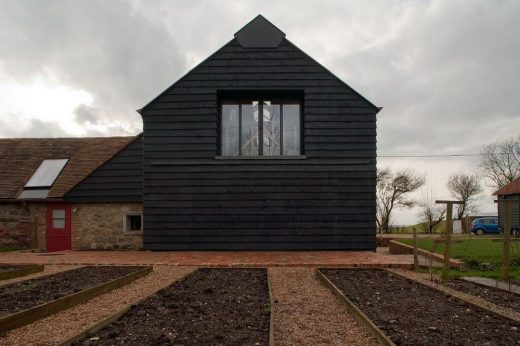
(259, 33)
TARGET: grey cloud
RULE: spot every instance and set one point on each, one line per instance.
(107, 48)
(86, 114)
(447, 69)
(12, 126)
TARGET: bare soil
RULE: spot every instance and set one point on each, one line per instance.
(414, 314)
(209, 307)
(60, 327)
(494, 295)
(29, 293)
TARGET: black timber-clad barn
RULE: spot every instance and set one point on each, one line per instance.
(120, 179)
(259, 147)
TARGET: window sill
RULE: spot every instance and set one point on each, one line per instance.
(294, 157)
(133, 233)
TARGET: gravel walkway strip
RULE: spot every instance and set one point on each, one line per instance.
(424, 278)
(307, 313)
(59, 327)
(48, 270)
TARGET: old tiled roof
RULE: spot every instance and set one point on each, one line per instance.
(512, 188)
(20, 157)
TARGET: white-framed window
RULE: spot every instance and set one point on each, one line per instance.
(133, 223)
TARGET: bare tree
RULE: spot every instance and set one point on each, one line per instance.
(392, 190)
(465, 188)
(501, 161)
(430, 214)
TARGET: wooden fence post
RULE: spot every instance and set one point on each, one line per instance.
(449, 231)
(415, 259)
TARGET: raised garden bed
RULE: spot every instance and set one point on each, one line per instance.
(409, 313)
(207, 307)
(29, 300)
(496, 296)
(10, 271)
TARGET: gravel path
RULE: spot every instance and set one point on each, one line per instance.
(425, 279)
(48, 269)
(65, 324)
(307, 313)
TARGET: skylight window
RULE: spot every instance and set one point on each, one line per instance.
(47, 173)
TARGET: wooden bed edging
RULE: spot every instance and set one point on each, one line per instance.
(271, 311)
(358, 314)
(103, 323)
(474, 304)
(17, 272)
(30, 315)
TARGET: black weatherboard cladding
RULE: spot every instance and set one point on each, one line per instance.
(515, 211)
(193, 200)
(120, 179)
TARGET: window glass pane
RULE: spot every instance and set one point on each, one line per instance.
(291, 129)
(46, 173)
(250, 129)
(133, 223)
(230, 130)
(58, 214)
(271, 113)
(58, 223)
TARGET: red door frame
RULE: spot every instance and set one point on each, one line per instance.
(58, 239)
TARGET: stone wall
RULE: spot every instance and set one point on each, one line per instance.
(99, 226)
(95, 226)
(15, 225)
(39, 215)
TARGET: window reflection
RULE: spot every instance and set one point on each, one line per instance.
(230, 122)
(260, 128)
(271, 128)
(250, 141)
(291, 129)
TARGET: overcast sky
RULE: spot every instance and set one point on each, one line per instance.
(446, 72)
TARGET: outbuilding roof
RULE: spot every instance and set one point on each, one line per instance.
(21, 157)
(512, 188)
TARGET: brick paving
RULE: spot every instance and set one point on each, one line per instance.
(214, 258)
(423, 261)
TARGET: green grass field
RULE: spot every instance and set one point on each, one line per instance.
(419, 227)
(482, 256)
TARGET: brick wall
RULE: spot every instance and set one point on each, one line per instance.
(396, 248)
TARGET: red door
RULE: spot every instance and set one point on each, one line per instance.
(58, 227)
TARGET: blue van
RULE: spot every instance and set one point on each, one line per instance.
(485, 225)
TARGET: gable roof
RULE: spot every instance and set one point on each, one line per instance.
(512, 188)
(20, 157)
(248, 33)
